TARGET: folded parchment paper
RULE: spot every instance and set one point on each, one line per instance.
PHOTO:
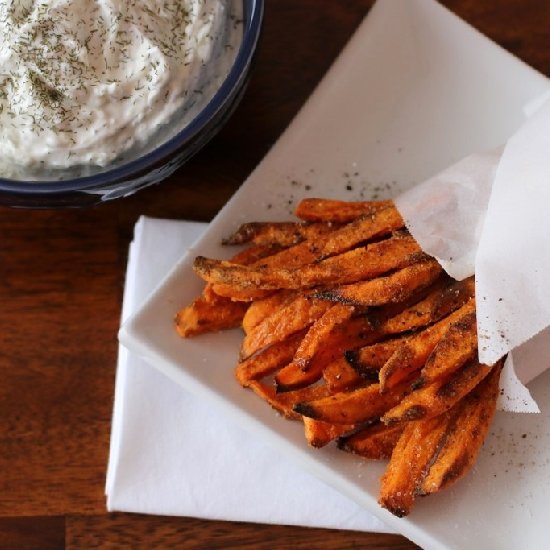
(489, 214)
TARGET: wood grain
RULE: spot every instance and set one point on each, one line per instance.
(32, 533)
(60, 290)
(143, 532)
(61, 280)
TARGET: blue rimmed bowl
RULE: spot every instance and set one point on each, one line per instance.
(155, 160)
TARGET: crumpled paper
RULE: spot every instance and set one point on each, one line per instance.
(488, 215)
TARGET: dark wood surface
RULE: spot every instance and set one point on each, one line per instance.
(61, 281)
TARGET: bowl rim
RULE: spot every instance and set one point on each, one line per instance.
(251, 34)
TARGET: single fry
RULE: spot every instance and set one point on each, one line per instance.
(318, 434)
(362, 230)
(412, 355)
(354, 407)
(268, 360)
(300, 313)
(337, 211)
(464, 438)
(340, 376)
(240, 295)
(353, 334)
(375, 442)
(438, 396)
(321, 328)
(282, 234)
(212, 312)
(254, 254)
(413, 452)
(349, 335)
(292, 376)
(457, 345)
(203, 316)
(264, 308)
(446, 297)
(284, 402)
(355, 265)
(245, 257)
(368, 360)
(393, 288)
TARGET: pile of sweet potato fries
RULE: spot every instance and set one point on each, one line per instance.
(351, 328)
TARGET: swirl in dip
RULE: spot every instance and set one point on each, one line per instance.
(83, 81)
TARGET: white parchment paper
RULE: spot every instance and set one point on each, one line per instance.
(489, 214)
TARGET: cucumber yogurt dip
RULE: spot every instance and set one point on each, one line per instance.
(85, 82)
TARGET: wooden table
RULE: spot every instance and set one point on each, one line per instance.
(61, 280)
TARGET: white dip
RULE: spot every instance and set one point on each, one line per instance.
(82, 81)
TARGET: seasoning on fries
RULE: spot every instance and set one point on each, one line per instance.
(352, 329)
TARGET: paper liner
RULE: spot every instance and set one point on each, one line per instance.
(489, 214)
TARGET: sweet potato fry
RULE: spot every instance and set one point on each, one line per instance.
(413, 452)
(265, 307)
(375, 442)
(318, 434)
(282, 234)
(355, 265)
(284, 402)
(445, 298)
(298, 372)
(300, 313)
(253, 254)
(240, 295)
(353, 334)
(203, 316)
(382, 290)
(267, 361)
(368, 360)
(244, 257)
(354, 407)
(412, 355)
(464, 438)
(208, 294)
(340, 376)
(362, 230)
(457, 345)
(339, 241)
(320, 329)
(292, 376)
(337, 211)
(211, 311)
(438, 396)
(434, 452)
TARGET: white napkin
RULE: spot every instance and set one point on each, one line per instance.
(172, 454)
